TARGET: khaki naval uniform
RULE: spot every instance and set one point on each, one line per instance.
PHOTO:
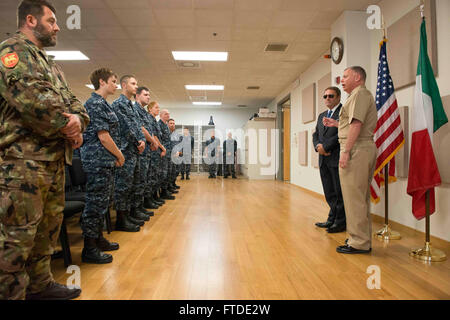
(357, 176)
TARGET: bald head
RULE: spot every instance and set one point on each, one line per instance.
(164, 115)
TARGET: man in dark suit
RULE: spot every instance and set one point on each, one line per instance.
(325, 140)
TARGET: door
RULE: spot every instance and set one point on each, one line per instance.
(286, 143)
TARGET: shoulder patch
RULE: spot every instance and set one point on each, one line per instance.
(10, 60)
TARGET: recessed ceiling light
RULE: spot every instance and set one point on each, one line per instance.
(203, 87)
(91, 86)
(67, 55)
(207, 103)
(200, 56)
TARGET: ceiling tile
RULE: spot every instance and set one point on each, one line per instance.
(135, 17)
(253, 19)
(213, 4)
(120, 4)
(175, 18)
(171, 4)
(207, 18)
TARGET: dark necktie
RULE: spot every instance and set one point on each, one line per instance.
(329, 113)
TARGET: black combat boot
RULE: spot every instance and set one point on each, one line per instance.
(176, 186)
(123, 223)
(166, 195)
(105, 245)
(157, 199)
(149, 204)
(182, 176)
(187, 176)
(92, 254)
(145, 212)
(135, 217)
(54, 291)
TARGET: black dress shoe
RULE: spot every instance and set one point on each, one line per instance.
(324, 224)
(337, 228)
(234, 177)
(348, 249)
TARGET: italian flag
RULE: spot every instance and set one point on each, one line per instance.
(428, 116)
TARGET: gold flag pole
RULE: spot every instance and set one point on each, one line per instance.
(386, 233)
(427, 253)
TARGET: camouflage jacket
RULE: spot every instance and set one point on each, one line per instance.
(165, 135)
(145, 122)
(33, 96)
(130, 126)
(103, 118)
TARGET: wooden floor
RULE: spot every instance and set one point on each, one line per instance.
(239, 239)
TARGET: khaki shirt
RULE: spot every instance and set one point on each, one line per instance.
(33, 96)
(360, 105)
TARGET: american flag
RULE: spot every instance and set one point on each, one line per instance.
(388, 134)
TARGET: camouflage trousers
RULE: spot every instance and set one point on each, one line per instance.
(126, 180)
(31, 213)
(100, 182)
(212, 169)
(143, 188)
(164, 172)
(185, 168)
(153, 173)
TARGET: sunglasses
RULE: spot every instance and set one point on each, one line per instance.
(331, 96)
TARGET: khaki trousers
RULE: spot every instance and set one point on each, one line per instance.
(355, 185)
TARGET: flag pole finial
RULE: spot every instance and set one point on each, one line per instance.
(422, 9)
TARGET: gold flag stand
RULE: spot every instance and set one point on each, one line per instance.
(428, 253)
(386, 233)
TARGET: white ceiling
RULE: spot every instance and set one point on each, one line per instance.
(137, 37)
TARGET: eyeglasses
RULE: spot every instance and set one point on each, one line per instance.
(331, 96)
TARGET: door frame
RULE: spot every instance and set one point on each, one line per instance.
(280, 126)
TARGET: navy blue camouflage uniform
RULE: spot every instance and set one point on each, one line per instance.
(144, 185)
(127, 176)
(211, 159)
(164, 167)
(188, 149)
(176, 141)
(98, 163)
(155, 158)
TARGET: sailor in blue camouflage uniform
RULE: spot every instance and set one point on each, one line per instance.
(165, 160)
(212, 145)
(155, 158)
(176, 146)
(132, 143)
(143, 190)
(99, 155)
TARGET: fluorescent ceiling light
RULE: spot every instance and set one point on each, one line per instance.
(207, 103)
(203, 87)
(91, 86)
(67, 55)
(200, 56)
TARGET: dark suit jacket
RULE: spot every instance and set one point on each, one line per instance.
(328, 137)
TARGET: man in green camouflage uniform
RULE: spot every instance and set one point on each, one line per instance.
(41, 123)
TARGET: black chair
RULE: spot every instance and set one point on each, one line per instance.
(79, 180)
(70, 209)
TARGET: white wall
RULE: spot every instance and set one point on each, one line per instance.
(224, 120)
(399, 202)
